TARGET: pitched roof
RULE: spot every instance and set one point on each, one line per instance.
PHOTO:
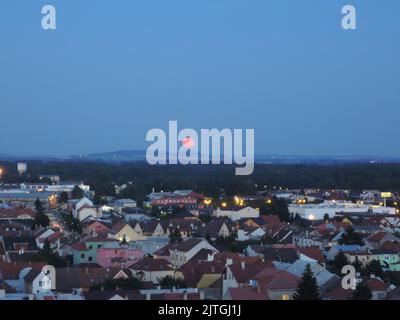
(11, 270)
(235, 258)
(376, 237)
(390, 245)
(85, 277)
(288, 255)
(187, 245)
(339, 293)
(202, 255)
(32, 275)
(313, 253)
(244, 273)
(282, 280)
(15, 242)
(376, 285)
(149, 264)
(194, 271)
(16, 212)
(248, 293)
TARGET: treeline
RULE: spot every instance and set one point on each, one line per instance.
(214, 180)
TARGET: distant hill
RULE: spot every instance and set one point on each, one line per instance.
(140, 156)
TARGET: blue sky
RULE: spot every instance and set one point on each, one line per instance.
(115, 69)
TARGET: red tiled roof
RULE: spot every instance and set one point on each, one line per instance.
(11, 271)
(390, 245)
(193, 271)
(339, 294)
(376, 285)
(271, 219)
(376, 237)
(15, 213)
(248, 293)
(149, 264)
(80, 246)
(243, 275)
(313, 253)
(236, 258)
(283, 280)
(53, 237)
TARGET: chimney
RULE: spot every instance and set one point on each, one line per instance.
(243, 265)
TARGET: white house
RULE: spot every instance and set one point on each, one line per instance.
(184, 251)
(237, 213)
(84, 208)
(36, 282)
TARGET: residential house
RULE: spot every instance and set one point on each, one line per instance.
(389, 259)
(95, 227)
(85, 251)
(124, 232)
(115, 255)
(152, 270)
(184, 251)
(376, 240)
(84, 208)
(239, 275)
(150, 229)
(205, 275)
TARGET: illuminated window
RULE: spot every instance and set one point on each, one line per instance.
(285, 297)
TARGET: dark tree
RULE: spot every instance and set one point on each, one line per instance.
(46, 251)
(374, 267)
(208, 238)
(38, 206)
(175, 236)
(308, 287)
(206, 218)
(340, 261)
(168, 282)
(77, 193)
(279, 207)
(350, 237)
(46, 180)
(41, 220)
(358, 265)
(46, 254)
(362, 292)
(63, 197)
(124, 242)
(155, 212)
